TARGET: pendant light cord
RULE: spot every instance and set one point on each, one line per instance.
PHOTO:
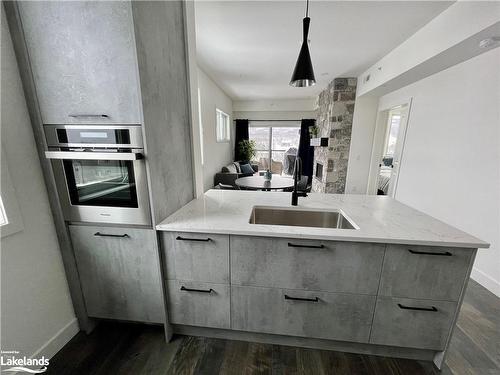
(307, 8)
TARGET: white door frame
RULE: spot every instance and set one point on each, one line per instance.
(379, 142)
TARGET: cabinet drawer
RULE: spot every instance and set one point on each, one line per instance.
(198, 304)
(304, 264)
(424, 272)
(423, 324)
(332, 316)
(197, 256)
(119, 272)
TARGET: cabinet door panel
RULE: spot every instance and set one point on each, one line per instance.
(83, 60)
(119, 275)
(424, 272)
(332, 316)
(190, 304)
(282, 263)
(423, 324)
(196, 256)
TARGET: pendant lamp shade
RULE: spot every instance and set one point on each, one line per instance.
(303, 74)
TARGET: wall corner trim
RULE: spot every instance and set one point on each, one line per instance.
(57, 342)
(486, 280)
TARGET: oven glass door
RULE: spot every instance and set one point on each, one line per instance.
(109, 183)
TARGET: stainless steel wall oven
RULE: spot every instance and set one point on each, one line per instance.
(100, 172)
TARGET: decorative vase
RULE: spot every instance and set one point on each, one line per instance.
(268, 175)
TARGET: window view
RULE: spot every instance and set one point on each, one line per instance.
(223, 128)
(276, 147)
(261, 137)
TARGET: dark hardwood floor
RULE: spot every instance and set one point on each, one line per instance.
(119, 348)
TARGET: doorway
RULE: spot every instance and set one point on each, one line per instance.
(388, 146)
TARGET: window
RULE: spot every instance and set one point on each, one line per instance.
(276, 146)
(223, 129)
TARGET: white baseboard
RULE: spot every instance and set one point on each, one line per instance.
(56, 342)
(487, 281)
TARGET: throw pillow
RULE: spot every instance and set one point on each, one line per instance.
(247, 169)
(230, 168)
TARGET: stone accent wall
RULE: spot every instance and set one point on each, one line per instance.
(336, 108)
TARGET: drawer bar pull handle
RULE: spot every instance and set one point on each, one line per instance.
(88, 115)
(179, 238)
(316, 299)
(306, 246)
(99, 234)
(183, 288)
(446, 253)
(432, 308)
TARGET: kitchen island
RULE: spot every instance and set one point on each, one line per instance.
(388, 281)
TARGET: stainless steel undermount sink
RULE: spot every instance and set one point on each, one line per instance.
(300, 217)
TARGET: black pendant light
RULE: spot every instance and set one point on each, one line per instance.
(303, 74)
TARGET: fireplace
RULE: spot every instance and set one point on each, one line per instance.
(334, 121)
(319, 171)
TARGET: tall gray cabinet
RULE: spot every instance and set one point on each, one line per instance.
(111, 62)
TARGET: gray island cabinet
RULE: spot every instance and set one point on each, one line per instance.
(367, 293)
(393, 286)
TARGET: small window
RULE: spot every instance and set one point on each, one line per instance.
(223, 129)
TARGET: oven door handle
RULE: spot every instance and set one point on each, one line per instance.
(89, 155)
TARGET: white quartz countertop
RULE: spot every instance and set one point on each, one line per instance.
(379, 218)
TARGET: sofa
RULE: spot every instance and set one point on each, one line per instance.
(229, 173)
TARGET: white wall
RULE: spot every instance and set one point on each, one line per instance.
(192, 65)
(451, 161)
(274, 115)
(215, 155)
(37, 315)
(279, 109)
(363, 130)
(448, 39)
(284, 105)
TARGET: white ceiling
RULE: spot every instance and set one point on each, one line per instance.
(249, 48)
